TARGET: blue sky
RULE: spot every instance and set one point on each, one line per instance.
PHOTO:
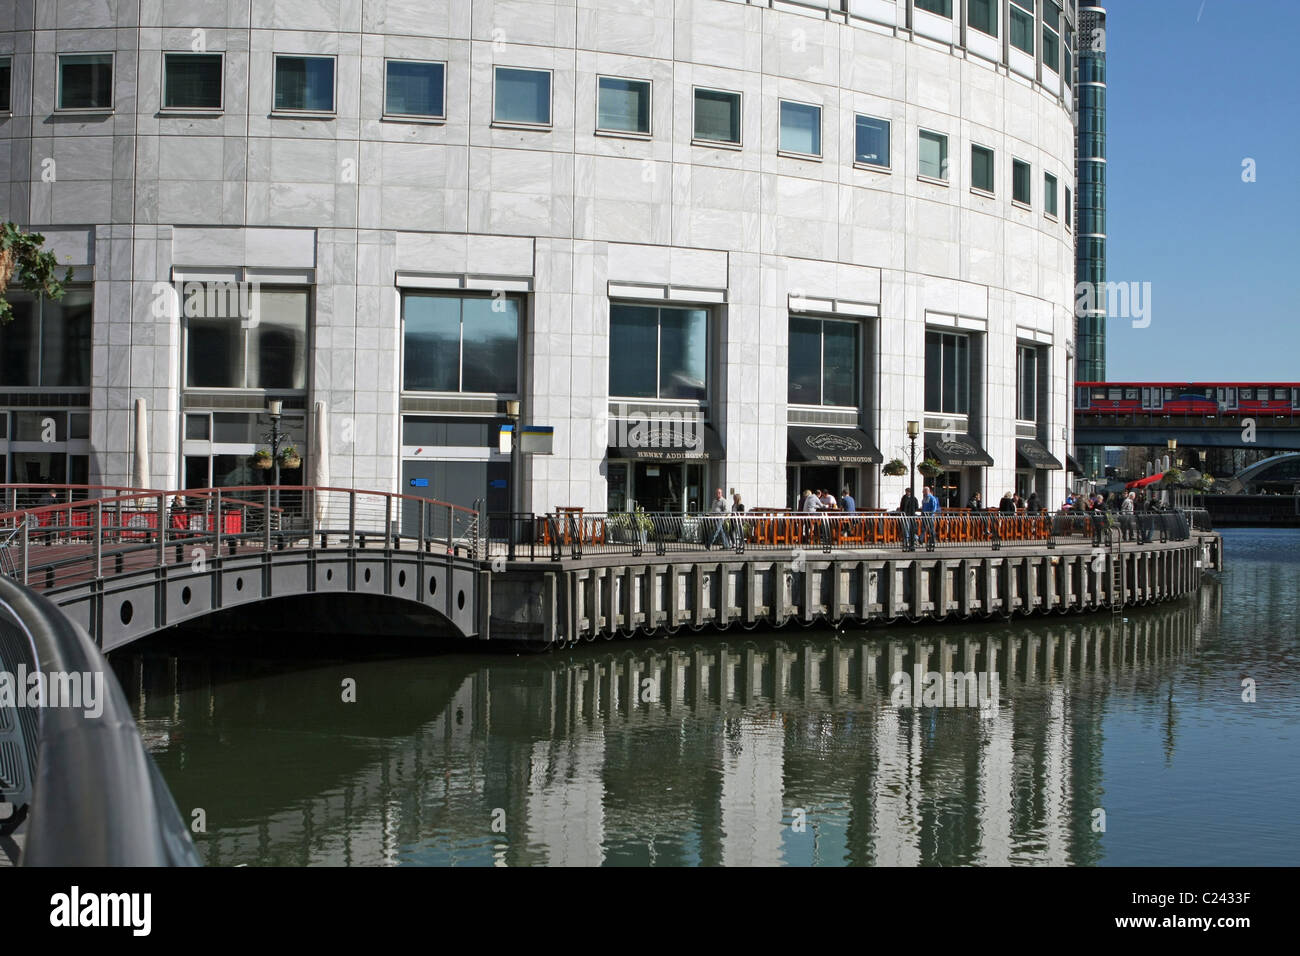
(1187, 102)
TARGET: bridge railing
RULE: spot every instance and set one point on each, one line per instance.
(78, 786)
(60, 545)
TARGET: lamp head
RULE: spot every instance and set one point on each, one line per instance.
(512, 408)
(275, 406)
(913, 429)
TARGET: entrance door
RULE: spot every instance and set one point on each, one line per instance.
(455, 482)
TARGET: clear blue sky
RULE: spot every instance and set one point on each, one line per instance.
(1187, 102)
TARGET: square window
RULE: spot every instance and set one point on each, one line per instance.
(414, 88)
(871, 141)
(5, 73)
(717, 116)
(191, 81)
(801, 128)
(981, 168)
(1049, 194)
(982, 15)
(304, 83)
(1021, 190)
(622, 106)
(942, 7)
(522, 96)
(86, 81)
(933, 159)
(198, 427)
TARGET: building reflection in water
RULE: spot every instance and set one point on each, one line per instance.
(772, 749)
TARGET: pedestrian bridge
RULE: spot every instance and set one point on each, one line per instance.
(126, 563)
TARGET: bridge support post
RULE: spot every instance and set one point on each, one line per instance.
(216, 524)
(99, 539)
(162, 530)
(266, 521)
(352, 519)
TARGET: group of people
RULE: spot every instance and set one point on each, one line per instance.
(811, 502)
(928, 507)
(1127, 504)
(721, 507)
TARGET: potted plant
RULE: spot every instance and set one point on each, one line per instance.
(1173, 477)
(930, 468)
(894, 468)
(630, 527)
(289, 457)
(262, 459)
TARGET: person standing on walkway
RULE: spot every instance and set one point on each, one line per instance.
(1126, 513)
(846, 501)
(719, 507)
(908, 507)
(1033, 506)
(929, 517)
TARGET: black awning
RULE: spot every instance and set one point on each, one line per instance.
(961, 451)
(664, 439)
(1033, 454)
(842, 446)
(1072, 465)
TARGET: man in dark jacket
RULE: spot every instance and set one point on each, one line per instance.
(908, 507)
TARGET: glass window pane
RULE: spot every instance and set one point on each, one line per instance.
(18, 340)
(414, 89)
(214, 353)
(871, 141)
(86, 81)
(1052, 14)
(623, 105)
(941, 7)
(801, 128)
(1051, 49)
(683, 355)
(933, 372)
(950, 374)
(6, 73)
(490, 330)
(235, 428)
(522, 96)
(805, 360)
(192, 81)
(1020, 187)
(934, 155)
(961, 402)
(633, 347)
(304, 83)
(1049, 193)
(198, 427)
(277, 344)
(981, 168)
(983, 16)
(65, 339)
(431, 332)
(717, 116)
(841, 364)
(1022, 29)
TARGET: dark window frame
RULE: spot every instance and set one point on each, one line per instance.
(520, 317)
(822, 321)
(440, 117)
(710, 325)
(305, 110)
(221, 83)
(112, 83)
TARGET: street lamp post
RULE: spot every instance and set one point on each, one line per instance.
(913, 430)
(276, 408)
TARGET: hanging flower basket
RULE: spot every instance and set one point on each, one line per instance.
(6, 268)
(262, 459)
(289, 458)
(930, 468)
(894, 468)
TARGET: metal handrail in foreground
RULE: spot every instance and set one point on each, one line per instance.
(97, 798)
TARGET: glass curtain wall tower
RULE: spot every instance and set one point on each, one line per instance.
(1090, 208)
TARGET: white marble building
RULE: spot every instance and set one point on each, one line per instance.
(599, 208)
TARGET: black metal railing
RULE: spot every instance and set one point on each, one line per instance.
(75, 780)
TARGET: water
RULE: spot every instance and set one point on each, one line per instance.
(781, 747)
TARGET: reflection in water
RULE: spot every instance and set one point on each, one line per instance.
(782, 748)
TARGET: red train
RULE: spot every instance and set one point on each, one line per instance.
(1188, 398)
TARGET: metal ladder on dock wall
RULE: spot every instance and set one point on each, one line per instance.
(1114, 557)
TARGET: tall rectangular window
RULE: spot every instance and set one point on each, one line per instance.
(1021, 189)
(86, 81)
(982, 15)
(6, 73)
(942, 7)
(947, 373)
(1051, 35)
(225, 350)
(1027, 383)
(191, 81)
(304, 83)
(622, 106)
(801, 128)
(823, 362)
(1069, 212)
(658, 352)
(458, 343)
(415, 88)
(1022, 25)
(871, 141)
(981, 168)
(48, 342)
(717, 116)
(522, 96)
(933, 157)
(1049, 194)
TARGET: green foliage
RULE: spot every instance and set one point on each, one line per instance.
(25, 265)
(1172, 478)
(930, 468)
(894, 468)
